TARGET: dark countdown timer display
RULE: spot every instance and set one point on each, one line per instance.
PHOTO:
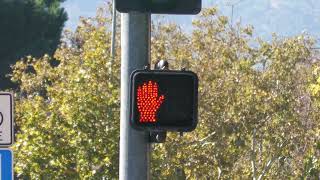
(164, 100)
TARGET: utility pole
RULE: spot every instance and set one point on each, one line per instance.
(232, 3)
(114, 28)
(135, 49)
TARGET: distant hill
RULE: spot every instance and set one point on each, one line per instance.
(285, 17)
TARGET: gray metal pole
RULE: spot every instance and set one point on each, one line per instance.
(135, 49)
(114, 28)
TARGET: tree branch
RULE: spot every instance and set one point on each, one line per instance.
(253, 155)
(267, 167)
(270, 162)
(201, 140)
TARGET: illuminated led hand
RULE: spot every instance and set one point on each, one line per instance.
(148, 101)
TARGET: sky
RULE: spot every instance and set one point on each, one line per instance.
(284, 17)
(77, 8)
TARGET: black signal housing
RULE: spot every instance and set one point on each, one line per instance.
(159, 6)
(174, 102)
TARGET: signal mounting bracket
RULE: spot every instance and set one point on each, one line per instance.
(157, 136)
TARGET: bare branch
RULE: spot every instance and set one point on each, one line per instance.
(253, 155)
(267, 167)
(270, 162)
(202, 141)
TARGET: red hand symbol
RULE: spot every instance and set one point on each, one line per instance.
(148, 101)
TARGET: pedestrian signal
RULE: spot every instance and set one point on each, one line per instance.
(164, 100)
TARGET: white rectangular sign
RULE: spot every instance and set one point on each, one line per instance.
(6, 119)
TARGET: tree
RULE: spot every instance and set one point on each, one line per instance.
(255, 119)
(68, 116)
(258, 105)
(29, 27)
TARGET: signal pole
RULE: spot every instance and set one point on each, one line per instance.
(135, 54)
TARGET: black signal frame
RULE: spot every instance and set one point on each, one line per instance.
(160, 6)
(181, 125)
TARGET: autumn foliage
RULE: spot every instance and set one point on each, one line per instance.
(258, 105)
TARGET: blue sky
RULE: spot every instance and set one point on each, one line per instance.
(77, 8)
(284, 17)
